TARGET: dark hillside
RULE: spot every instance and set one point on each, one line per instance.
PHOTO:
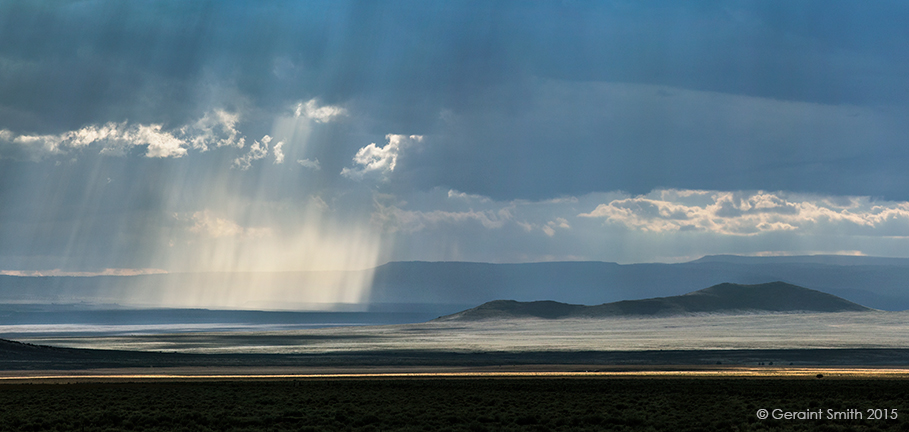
(722, 298)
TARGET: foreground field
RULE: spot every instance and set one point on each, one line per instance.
(463, 404)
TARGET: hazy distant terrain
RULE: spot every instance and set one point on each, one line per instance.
(879, 283)
(448, 287)
(723, 318)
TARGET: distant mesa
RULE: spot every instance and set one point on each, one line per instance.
(722, 298)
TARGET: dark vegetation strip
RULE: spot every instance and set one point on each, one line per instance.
(19, 356)
(452, 405)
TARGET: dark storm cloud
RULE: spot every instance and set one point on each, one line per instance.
(512, 101)
(571, 138)
(404, 64)
(104, 56)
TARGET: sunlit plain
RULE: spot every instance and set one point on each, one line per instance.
(693, 332)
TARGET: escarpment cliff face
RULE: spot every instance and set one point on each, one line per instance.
(722, 298)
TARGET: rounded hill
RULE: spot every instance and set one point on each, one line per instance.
(722, 298)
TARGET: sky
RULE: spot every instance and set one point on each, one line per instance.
(183, 136)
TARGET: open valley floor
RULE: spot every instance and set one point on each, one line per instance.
(748, 372)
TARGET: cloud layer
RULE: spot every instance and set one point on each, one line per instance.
(113, 138)
(664, 225)
(217, 128)
(749, 214)
(214, 129)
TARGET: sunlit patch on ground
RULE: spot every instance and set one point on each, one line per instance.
(702, 332)
(529, 372)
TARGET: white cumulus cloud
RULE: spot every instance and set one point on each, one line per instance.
(550, 227)
(320, 114)
(279, 152)
(160, 144)
(311, 164)
(216, 128)
(114, 138)
(209, 225)
(258, 150)
(373, 159)
(465, 196)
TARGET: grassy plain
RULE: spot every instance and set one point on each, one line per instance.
(794, 331)
(557, 403)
